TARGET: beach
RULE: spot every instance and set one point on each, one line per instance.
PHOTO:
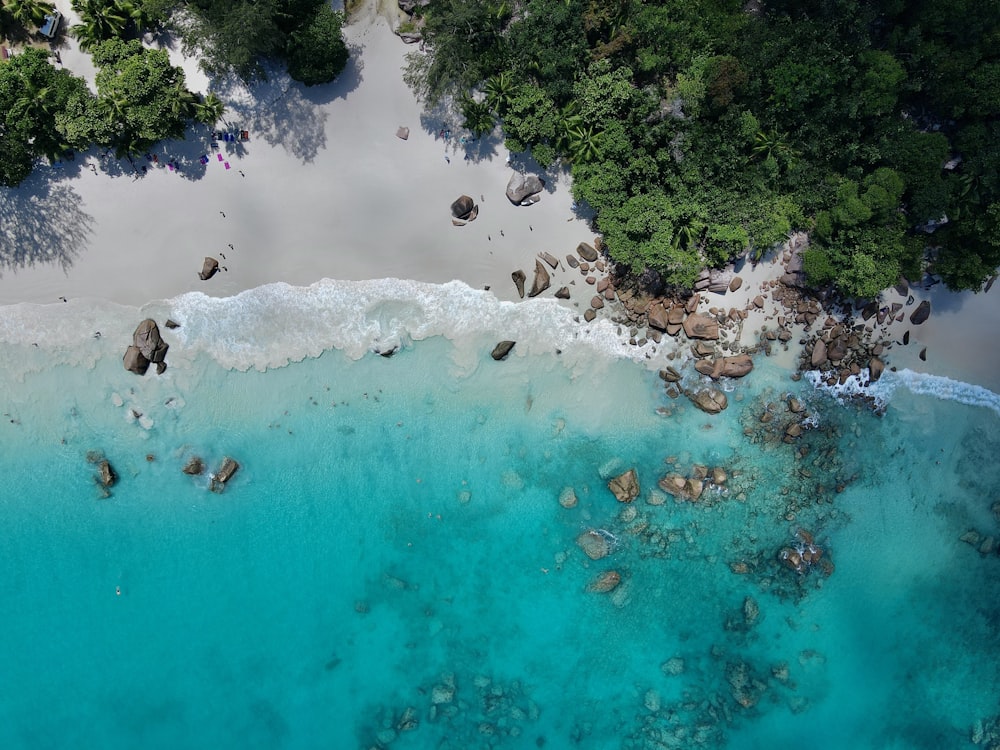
(423, 545)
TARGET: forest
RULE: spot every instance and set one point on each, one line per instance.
(699, 130)
(141, 97)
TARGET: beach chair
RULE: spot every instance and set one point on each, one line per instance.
(204, 159)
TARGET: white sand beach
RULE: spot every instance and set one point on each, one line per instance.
(324, 188)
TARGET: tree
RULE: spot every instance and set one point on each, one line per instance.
(317, 53)
(99, 21)
(208, 110)
(28, 12)
(140, 94)
(478, 116)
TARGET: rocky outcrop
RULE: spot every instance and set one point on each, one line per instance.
(542, 280)
(224, 474)
(725, 367)
(519, 278)
(709, 400)
(501, 350)
(521, 188)
(682, 488)
(625, 487)
(921, 314)
(698, 326)
(147, 347)
(464, 208)
(804, 554)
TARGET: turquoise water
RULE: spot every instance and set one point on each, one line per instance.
(391, 566)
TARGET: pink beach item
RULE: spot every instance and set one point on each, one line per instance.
(227, 165)
(220, 156)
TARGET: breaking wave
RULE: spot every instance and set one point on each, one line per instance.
(275, 324)
(920, 383)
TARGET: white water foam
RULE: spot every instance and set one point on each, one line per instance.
(920, 383)
(273, 325)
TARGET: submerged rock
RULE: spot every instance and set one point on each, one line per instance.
(194, 467)
(594, 544)
(709, 400)
(605, 582)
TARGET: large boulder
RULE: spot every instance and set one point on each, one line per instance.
(147, 338)
(209, 268)
(725, 367)
(818, 358)
(625, 487)
(464, 208)
(921, 314)
(709, 400)
(698, 326)
(501, 350)
(657, 316)
(542, 280)
(587, 252)
(134, 361)
(520, 187)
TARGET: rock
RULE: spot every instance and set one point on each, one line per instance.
(562, 292)
(134, 361)
(194, 467)
(727, 367)
(550, 259)
(106, 476)
(670, 375)
(594, 544)
(794, 405)
(605, 582)
(571, 261)
(567, 498)
(793, 430)
(673, 666)
(441, 694)
(209, 268)
(698, 326)
(586, 251)
(692, 304)
(402, 133)
(719, 476)
(709, 400)
(147, 338)
(589, 314)
(224, 474)
(521, 187)
(408, 6)
(921, 314)
(501, 350)
(171, 324)
(818, 358)
(875, 368)
(923, 354)
(751, 611)
(656, 316)
(597, 302)
(464, 207)
(542, 280)
(519, 278)
(735, 284)
(625, 486)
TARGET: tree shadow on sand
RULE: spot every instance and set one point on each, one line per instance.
(41, 222)
(286, 113)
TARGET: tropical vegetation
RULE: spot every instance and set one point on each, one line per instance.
(698, 130)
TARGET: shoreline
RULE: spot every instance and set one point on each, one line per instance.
(324, 189)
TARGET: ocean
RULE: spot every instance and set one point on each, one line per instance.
(394, 565)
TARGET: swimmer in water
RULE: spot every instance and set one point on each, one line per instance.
(118, 590)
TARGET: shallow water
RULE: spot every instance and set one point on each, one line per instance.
(395, 528)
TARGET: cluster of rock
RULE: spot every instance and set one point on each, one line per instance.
(587, 261)
(463, 210)
(105, 478)
(147, 347)
(690, 488)
(221, 477)
(492, 711)
(410, 28)
(804, 554)
(841, 350)
(785, 420)
(984, 542)
(986, 733)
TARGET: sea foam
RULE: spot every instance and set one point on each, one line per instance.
(920, 383)
(275, 324)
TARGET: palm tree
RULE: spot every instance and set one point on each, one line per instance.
(478, 116)
(99, 21)
(583, 144)
(208, 110)
(499, 90)
(28, 12)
